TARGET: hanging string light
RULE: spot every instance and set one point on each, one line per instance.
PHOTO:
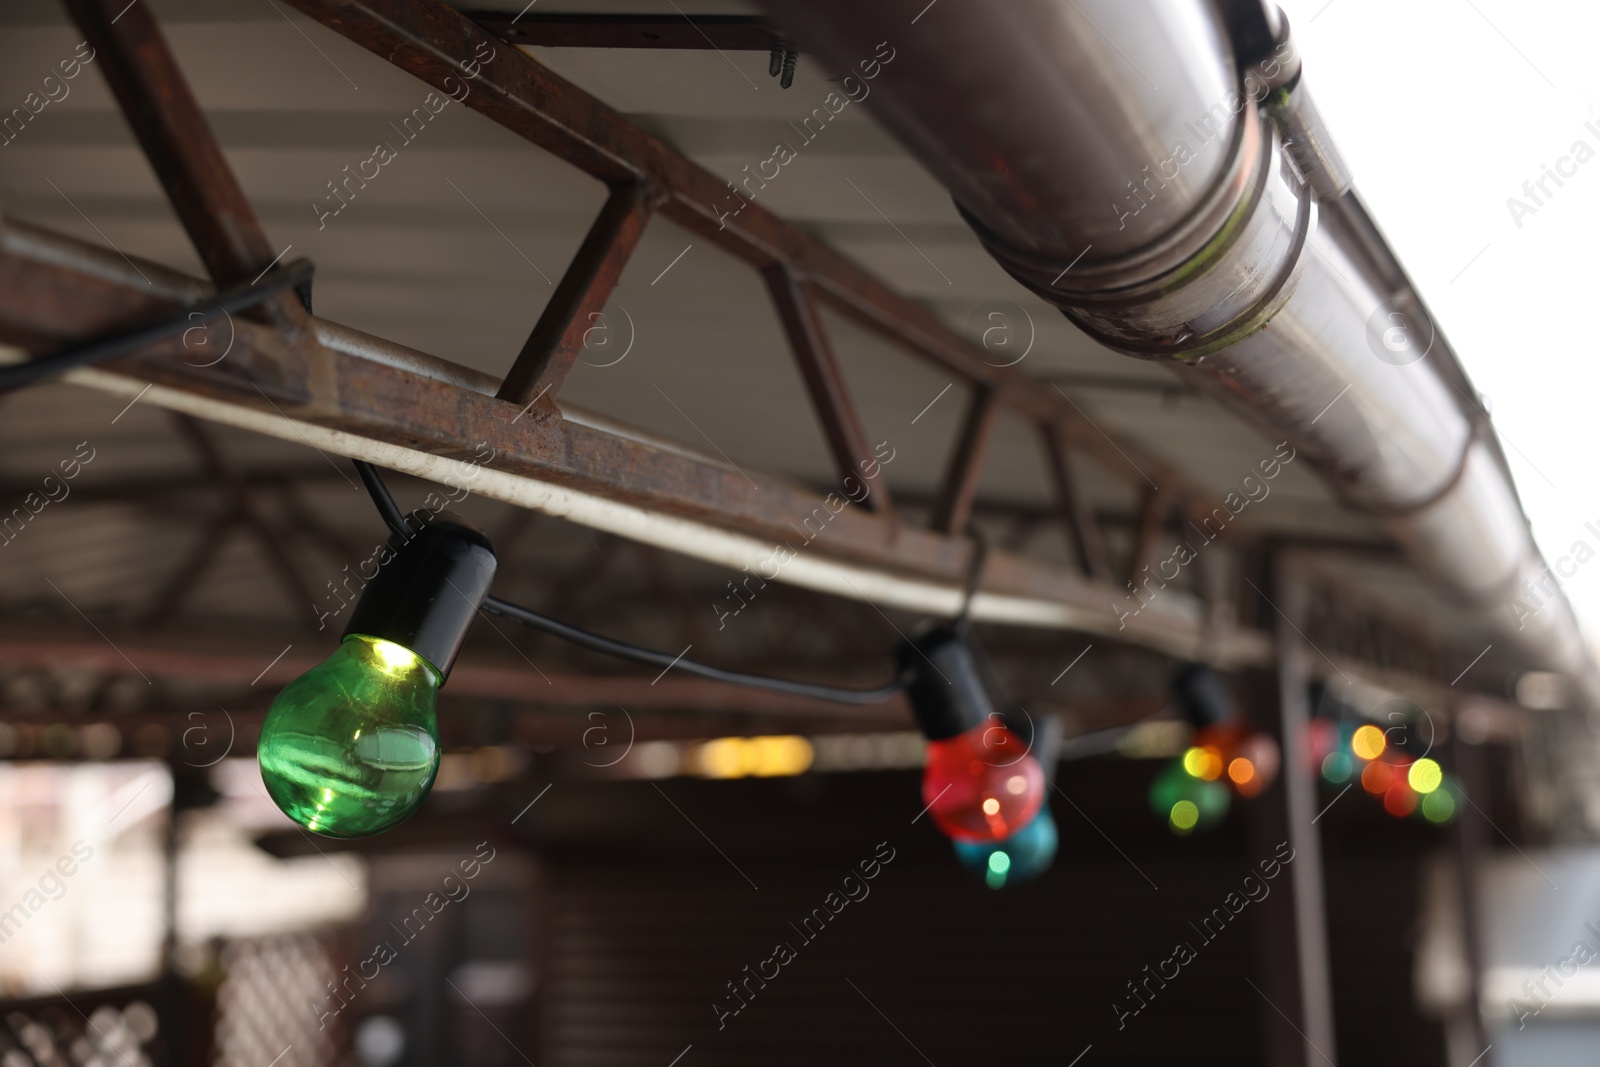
(1439, 805)
(351, 747)
(1231, 749)
(1018, 859)
(1330, 748)
(1028, 853)
(1407, 788)
(981, 784)
(1186, 802)
(1226, 756)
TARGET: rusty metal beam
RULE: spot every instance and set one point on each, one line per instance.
(270, 540)
(670, 589)
(432, 41)
(314, 528)
(54, 290)
(1088, 542)
(954, 506)
(376, 402)
(1153, 514)
(558, 337)
(158, 490)
(1210, 580)
(441, 46)
(562, 598)
(133, 54)
(187, 574)
(830, 394)
(727, 33)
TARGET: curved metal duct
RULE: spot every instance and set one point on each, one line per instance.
(1157, 171)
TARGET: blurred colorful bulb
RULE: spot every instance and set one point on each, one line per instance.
(1439, 806)
(1203, 762)
(351, 747)
(1186, 803)
(1425, 776)
(1242, 773)
(1235, 755)
(1377, 777)
(1368, 742)
(1337, 767)
(1324, 738)
(982, 785)
(1399, 799)
(1018, 859)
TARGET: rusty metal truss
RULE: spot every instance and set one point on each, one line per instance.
(295, 376)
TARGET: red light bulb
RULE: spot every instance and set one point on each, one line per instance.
(982, 785)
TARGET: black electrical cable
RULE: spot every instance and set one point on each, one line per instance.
(980, 555)
(597, 643)
(382, 499)
(395, 519)
(17, 375)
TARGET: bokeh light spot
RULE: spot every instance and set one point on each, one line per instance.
(1203, 762)
(1425, 776)
(1439, 806)
(1241, 771)
(1400, 800)
(1368, 742)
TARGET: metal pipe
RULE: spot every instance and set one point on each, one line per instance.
(1095, 117)
(1208, 224)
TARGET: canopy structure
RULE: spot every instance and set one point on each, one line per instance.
(770, 365)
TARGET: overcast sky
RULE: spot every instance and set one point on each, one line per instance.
(1444, 108)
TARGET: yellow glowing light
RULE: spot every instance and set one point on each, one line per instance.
(1185, 815)
(764, 757)
(1016, 784)
(991, 806)
(779, 756)
(722, 758)
(1203, 763)
(1368, 743)
(395, 658)
(1241, 770)
(1425, 776)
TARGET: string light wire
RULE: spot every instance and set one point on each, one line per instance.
(178, 321)
(395, 519)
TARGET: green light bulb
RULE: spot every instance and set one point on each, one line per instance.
(351, 747)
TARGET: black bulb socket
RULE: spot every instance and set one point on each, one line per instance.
(1204, 696)
(430, 584)
(946, 685)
